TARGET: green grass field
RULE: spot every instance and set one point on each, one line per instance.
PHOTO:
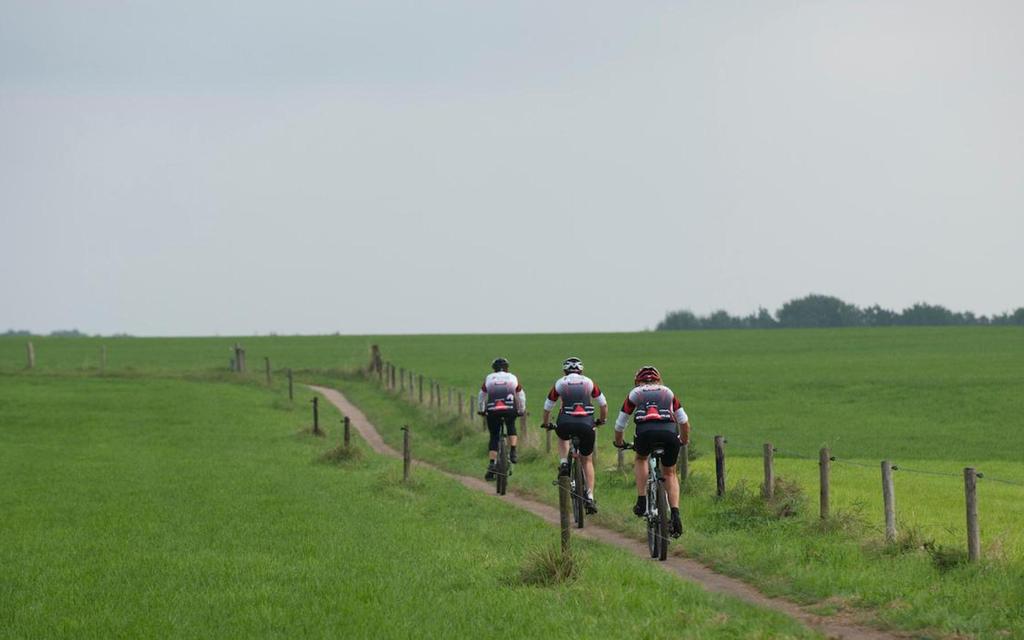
(170, 508)
(930, 399)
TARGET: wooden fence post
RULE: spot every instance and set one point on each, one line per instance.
(394, 382)
(824, 475)
(421, 388)
(103, 358)
(401, 376)
(291, 386)
(889, 500)
(768, 488)
(719, 466)
(449, 398)
(316, 415)
(31, 349)
(406, 454)
(973, 532)
(348, 435)
(547, 441)
(563, 509)
(267, 367)
(621, 455)
(375, 360)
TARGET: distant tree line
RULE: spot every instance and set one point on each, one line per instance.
(828, 311)
(60, 333)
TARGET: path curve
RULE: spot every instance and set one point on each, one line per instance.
(691, 570)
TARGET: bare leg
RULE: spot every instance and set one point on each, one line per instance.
(513, 440)
(588, 470)
(493, 455)
(640, 470)
(671, 485)
(563, 448)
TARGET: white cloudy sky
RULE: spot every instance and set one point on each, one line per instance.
(240, 167)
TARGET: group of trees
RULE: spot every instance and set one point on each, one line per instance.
(60, 333)
(828, 311)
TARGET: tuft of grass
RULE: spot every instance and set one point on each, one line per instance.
(548, 567)
(788, 499)
(342, 454)
(945, 557)
(909, 539)
(850, 522)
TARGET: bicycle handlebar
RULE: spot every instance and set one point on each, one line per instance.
(624, 445)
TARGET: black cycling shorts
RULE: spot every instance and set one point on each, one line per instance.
(666, 438)
(582, 428)
(494, 420)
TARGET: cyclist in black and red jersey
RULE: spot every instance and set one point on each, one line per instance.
(578, 394)
(501, 399)
(660, 422)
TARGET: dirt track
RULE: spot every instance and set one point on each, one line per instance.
(692, 570)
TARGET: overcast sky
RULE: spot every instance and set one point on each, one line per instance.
(303, 167)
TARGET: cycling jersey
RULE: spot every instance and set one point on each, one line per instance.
(501, 392)
(651, 406)
(578, 394)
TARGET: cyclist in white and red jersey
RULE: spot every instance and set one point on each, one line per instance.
(576, 418)
(501, 399)
(660, 422)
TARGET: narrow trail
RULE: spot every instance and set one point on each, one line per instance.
(832, 626)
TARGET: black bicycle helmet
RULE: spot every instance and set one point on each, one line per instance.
(500, 364)
(572, 364)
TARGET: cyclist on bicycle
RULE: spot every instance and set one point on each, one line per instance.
(578, 394)
(660, 422)
(501, 399)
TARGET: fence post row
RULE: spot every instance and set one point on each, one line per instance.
(971, 498)
(889, 500)
(720, 466)
(406, 454)
(768, 488)
(824, 473)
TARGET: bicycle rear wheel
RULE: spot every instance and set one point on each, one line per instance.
(653, 541)
(501, 468)
(579, 492)
(663, 512)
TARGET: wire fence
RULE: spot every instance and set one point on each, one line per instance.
(410, 386)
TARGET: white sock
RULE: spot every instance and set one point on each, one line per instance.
(565, 460)
(590, 494)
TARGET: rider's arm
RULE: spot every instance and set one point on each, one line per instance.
(601, 402)
(628, 407)
(481, 398)
(549, 403)
(683, 420)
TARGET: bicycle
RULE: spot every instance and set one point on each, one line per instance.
(657, 514)
(502, 464)
(578, 489)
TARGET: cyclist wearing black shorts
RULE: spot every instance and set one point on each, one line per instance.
(502, 400)
(578, 394)
(660, 422)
